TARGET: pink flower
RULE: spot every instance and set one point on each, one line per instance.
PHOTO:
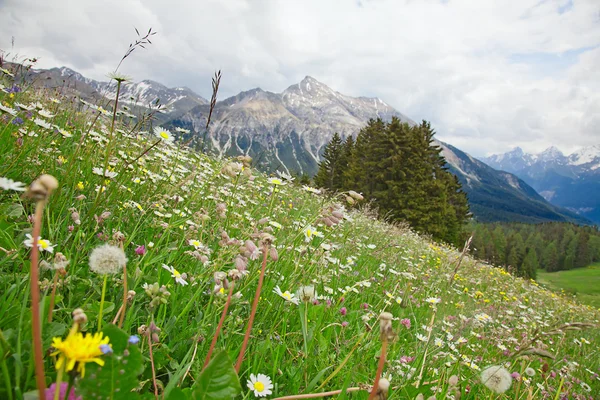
(406, 323)
(345, 324)
(343, 311)
(365, 306)
(406, 359)
(140, 250)
(62, 391)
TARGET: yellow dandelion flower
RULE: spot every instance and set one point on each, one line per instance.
(77, 350)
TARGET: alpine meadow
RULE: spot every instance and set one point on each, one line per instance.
(137, 263)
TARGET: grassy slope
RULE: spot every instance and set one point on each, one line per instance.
(583, 282)
(362, 266)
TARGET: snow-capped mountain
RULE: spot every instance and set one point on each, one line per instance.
(138, 94)
(286, 130)
(571, 181)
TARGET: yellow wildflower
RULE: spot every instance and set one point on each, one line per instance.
(77, 350)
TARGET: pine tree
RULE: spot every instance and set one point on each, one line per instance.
(550, 260)
(530, 264)
(330, 172)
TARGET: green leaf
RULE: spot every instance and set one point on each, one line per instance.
(119, 375)
(178, 394)
(218, 381)
(14, 210)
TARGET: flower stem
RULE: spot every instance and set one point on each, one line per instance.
(102, 303)
(219, 326)
(240, 359)
(379, 369)
(152, 364)
(124, 307)
(59, 376)
(317, 395)
(35, 301)
(52, 297)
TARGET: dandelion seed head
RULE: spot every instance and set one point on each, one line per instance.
(496, 378)
(107, 259)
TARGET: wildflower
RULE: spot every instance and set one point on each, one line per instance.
(496, 378)
(196, 243)
(286, 295)
(343, 311)
(529, 371)
(310, 233)
(307, 294)
(133, 339)
(9, 184)
(62, 392)
(182, 130)
(42, 244)
(260, 384)
(42, 123)
(175, 274)
(104, 172)
(164, 134)
(275, 181)
(405, 322)
(46, 113)
(311, 189)
(77, 350)
(140, 250)
(107, 259)
(65, 133)
(433, 300)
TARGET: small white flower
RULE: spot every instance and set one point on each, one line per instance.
(275, 181)
(433, 300)
(105, 173)
(46, 113)
(496, 378)
(261, 385)
(9, 110)
(9, 184)
(43, 244)
(164, 134)
(196, 243)
(182, 130)
(42, 123)
(175, 274)
(285, 176)
(287, 295)
(311, 232)
(307, 293)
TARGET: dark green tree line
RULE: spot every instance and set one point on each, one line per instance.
(398, 167)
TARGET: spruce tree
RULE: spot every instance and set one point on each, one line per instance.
(329, 175)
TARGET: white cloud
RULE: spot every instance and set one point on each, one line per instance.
(484, 72)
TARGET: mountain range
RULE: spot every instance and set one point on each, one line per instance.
(289, 130)
(570, 181)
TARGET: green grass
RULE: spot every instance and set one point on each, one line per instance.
(359, 267)
(584, 283)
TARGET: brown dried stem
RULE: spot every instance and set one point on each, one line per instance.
(240, 359)
(380, 365)
(219, 326)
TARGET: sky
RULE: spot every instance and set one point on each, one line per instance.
(489, 75)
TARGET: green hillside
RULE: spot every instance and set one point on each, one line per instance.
(197, 232)
(583, 283)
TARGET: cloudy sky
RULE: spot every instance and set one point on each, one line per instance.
(489, 75)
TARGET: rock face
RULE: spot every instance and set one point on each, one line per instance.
(287, 130)
(571, 181)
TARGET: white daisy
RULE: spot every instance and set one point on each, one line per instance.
(43, 244)
(175, 274)
(275, 181)
(261, 385)
(46, 114)
(164, 134)
(310, 232)
(106, 173)
(42, 123)
(287, 295)
(9, 110)
(9, 184)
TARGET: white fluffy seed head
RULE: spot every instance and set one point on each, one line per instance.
(107, 259)
(496, 378)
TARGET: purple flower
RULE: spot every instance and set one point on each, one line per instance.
(14, 89)
(516, 376)
(343, 311)
(134, 339)
(140, 250)
(365, 306)
(62, 391)
(106, 349)
(405, 322)
(17, 121)
(345, 324)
